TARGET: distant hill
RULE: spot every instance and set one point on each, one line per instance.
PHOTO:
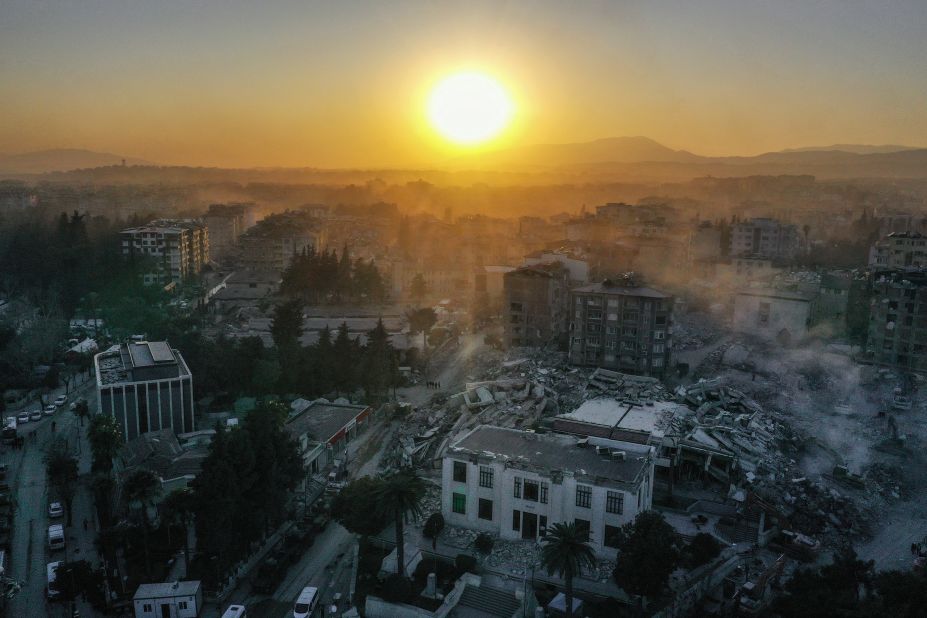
(854, 148)
(608, 150)
(61, 159)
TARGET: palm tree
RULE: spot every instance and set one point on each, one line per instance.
(140, 488)
(566, 551)
(400, 496)
(177, 510)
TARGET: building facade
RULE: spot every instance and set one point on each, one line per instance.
(169, 600)
(177, 248)
(535, 305)
(899, 250)
(323, 431)
(898, 319)
(622, 326)
(226, 223)
(782, 315)
(271, 244)
(516, 484)
(766, 238)
(145, 386)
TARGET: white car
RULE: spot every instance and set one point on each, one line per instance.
(55, 510)
(23, 418)
(49, 410)
(36, 416)
(61, 400)
(306, 602)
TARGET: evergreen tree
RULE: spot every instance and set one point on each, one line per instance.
(344, 361)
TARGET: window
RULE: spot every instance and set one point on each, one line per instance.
(182, 605)
(517, 492)
(484, 510)
(544, 489)
(763, 317)
(147, 607)
(658, 348)
(614, 502)
(459, 504)
(611, 536)
(531, 490)
(460, 472)
(486, 476)
(516, 520)
(582, 526)
(658, 335)
(584, 496)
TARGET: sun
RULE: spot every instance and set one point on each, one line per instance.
(469, 108)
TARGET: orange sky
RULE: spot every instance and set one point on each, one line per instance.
(324, 84)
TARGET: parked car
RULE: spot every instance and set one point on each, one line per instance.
(23, 418)
(49, 410)
(235, 611)
(61, 400)
(36, 416)
(55, 510)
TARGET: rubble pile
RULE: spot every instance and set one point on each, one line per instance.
(693, 330)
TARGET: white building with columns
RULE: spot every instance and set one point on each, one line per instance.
(516, 484)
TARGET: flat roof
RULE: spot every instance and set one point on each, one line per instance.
(617, 289)
(553, 451)
(619, 415)
(322, 420)
(167, 589)
(116, 364)
(774, 293)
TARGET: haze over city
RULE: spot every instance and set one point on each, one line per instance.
(463, 309)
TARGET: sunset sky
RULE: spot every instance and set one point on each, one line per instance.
(345, 83)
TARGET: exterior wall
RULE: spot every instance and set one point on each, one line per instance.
(535, 307)
(899, 251)
(561, 504)
(771, 317)
(141, 407)
(897, 326)
(625, 333)
(275, 254)
(179, 252)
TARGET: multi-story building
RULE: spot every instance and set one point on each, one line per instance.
(622, 326)
(576, 265)
(769, 313)
(516, 484)
(898, 319)
(226, 223)
(766, 238)
(146, 386)
(177, 248)
(271, 244)
(535, 305)
(899, 250)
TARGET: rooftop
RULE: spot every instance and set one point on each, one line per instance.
(321, 420)
(547, 269)
(654, 418)
(117, 364)
(167, 589)
(552, 451)
(617, 289)
(775, 293)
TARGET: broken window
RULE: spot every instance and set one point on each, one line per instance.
(516, 520)
(582, 527)
(612, 536)
(532, 490)
(484, 510)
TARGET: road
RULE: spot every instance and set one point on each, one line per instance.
(29, 553)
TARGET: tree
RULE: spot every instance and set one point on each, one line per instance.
(421, 321)
(417, 288)
(105, 437)
(286, 326)
(832, 590)
(74, 579)
(81, 410)
(139, 490)
(61, 468)
(703, 549)
(355, 507)
(378, 361)
(648, 552)
(566, 551)
(177, 510)
(433, 528)
(344, 361)
(400, 497)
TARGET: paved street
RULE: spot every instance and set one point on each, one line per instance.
(29, 550)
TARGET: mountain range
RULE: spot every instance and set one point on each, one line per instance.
(61, 159)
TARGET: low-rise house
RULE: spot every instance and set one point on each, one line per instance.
(168, 600)
(516, 483)
(324, 430)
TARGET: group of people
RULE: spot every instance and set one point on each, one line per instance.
(433, 384)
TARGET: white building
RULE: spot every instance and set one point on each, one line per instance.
(577, 267)
(767, 238)
(168, 600)
(177, 248)
(773, 314)
(515, 484)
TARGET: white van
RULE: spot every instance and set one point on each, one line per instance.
(306, 602)
(51, 573)
(235, 611)
(56, 537)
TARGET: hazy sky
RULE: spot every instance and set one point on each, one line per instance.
(221, 82)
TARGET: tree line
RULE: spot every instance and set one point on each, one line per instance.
(325, 277)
